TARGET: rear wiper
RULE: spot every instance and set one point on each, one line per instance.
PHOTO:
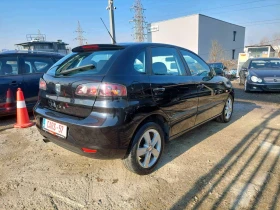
(80, 68)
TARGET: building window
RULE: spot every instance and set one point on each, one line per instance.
(234, 35)
(233, 52)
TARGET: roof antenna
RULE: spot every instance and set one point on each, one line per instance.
(108, 31)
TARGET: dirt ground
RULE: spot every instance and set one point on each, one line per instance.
(215, 166)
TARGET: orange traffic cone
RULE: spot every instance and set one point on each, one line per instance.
(22, 114)
(8, 104)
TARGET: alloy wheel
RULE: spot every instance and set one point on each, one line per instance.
(149, 148)
(228, 108)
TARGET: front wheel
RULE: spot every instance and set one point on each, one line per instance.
(227, 111)
(146, 149)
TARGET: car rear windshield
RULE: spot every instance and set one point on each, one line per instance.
(73, 64)
(265, 64)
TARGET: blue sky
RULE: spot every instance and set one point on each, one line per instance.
(58, 18)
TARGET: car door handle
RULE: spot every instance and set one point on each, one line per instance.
(159, 89)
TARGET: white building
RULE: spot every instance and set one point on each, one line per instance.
(263, 51)
(196, 33)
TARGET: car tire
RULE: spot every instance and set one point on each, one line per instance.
(246, 87)
(148, 142)
(227, 111)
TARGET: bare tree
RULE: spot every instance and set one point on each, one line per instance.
(264, 41)
(276, 44)
(216, 52)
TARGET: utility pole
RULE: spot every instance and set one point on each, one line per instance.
(80, 38)
(111, 9)
(139, 22)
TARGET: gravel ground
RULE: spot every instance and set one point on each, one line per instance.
(215, 166)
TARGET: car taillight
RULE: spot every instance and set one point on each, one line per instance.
(89, 89)
(90, 47)
(108, 89)
(103, 89)
(42, 84)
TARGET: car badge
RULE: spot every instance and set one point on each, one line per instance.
(57, 88)
(275, 80)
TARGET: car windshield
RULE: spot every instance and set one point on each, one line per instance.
(216, 65)
(74, 62)
(265, 64)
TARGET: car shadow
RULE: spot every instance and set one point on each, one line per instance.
(7, 122)
(228, 162)
(195, 136)
(267, 97)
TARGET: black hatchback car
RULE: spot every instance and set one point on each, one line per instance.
(125, 101)
(22, 69)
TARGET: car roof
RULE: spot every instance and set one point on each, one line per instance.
(24, 52)
(135, 44)
(126, 44)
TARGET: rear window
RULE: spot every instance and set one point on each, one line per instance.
(97, 59)
(36, 64)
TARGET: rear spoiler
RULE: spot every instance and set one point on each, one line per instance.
(97, 47)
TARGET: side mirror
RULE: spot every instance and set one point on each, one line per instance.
(210, 75)
(224, 68)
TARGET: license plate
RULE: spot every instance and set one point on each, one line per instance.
(54, 128)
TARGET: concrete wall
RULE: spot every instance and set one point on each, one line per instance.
(213, 29)
(182, 32)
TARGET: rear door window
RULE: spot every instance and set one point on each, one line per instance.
(139, 63)
(36, 64)
(166, 61)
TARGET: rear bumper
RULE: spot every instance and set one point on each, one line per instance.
(263, 87)
(101, 132)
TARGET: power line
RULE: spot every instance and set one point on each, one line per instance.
(214, 8)
(247, 8)
(80, 38)
(139, 21)
(262, 23)
(232, 5)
